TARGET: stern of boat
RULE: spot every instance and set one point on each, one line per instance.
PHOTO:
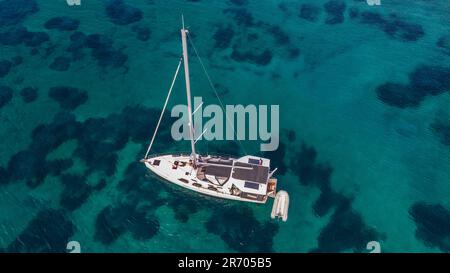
(272, 187)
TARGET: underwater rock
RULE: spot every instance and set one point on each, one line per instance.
(78, 37)
(47, 137)
(251, 37)
(221, 89)
(6, 94)
(20, 35)
(98, 140)
(13, 36)
(335, 10)
(110, 57)
(444, 44)
(13, 12)
(75, 192)
(34, 51)
(433, 80)
(239, 2)
(143, 227)
(77, 44)
(261, 59)
(102, 46)
(98, 155)
(112, 132)
(142, 33)
(49, 49)
(49, 231)
(328, 199)
(68, 97)
(100, 185)
(345, 231)
(223, 37)
(62, 23)
(60, 64)
(399, 95)
(240, 230)
(141, 190)
(241, 16)
(310, 172)
(10, 37)
(96, 41)
(77, 41)
(403, 30)
(32, 169)
(34, 39)
(394, 27)
(97, 147)
(136, 118)
(433, 224)
(183, 207)
(112, 222)
(5, 66)
(293, 53)
(309, 12)
(121, 13)
(291, 136)
(58, 166)
(17, 60)
(280, 37)
(103, 51)
(134, 179)
(29, 94)
(353, 13)
(425, 80)
(4, 176)
(372, 18)
(442, 131)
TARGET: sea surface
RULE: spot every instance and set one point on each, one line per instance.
(364, 105)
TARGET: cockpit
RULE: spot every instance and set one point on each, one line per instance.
(215, 170)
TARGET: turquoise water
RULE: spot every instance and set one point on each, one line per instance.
(364, 118)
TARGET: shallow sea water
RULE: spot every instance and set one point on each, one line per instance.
(364, 118)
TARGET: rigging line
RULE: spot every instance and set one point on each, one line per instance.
(164, 108)
(214, 89)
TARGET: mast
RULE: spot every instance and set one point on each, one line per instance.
(188, 91)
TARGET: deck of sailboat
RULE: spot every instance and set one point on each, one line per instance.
(225, 166)
(218, 180)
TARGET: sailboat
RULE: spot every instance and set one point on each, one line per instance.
(248, 178)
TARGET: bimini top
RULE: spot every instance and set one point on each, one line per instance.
(251, 172)
(255, 171)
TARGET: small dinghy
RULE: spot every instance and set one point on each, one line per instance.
(280, 206)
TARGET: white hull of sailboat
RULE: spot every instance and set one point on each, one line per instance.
(185, 176)
(247, 178)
